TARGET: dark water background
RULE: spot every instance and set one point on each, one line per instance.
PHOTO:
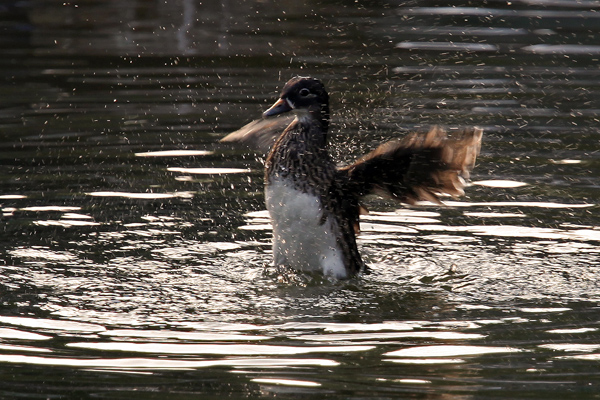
(127, 272)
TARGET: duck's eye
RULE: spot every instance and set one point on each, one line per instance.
(304, 92)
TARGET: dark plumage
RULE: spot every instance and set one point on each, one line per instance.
(314, 206)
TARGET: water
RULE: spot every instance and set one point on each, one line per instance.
(135, 249)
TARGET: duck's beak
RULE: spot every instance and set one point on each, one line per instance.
(281, 106)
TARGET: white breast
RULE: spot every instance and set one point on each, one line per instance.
(300, 240)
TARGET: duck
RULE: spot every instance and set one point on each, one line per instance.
(315, 206)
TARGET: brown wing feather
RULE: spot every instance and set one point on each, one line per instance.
(418, 167)
(261, 133)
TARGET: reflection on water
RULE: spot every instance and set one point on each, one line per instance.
(500, 183)
(282, 362)
(174, 153)
(135, 257)
(208, 171)
(449, 351)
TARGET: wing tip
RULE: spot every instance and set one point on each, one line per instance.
(259, 134)
(422, 165)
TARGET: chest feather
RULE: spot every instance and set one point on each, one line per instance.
(304, 237)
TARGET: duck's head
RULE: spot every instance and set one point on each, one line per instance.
(302, 95)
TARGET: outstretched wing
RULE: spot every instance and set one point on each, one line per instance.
(418, 167)
(261, 133)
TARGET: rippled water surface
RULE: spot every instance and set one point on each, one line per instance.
(135, 249)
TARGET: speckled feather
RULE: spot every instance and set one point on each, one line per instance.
(300, 157)
(301, 174)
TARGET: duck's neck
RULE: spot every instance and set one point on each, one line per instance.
(320, 116)
(300, 153)
(324, 118)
